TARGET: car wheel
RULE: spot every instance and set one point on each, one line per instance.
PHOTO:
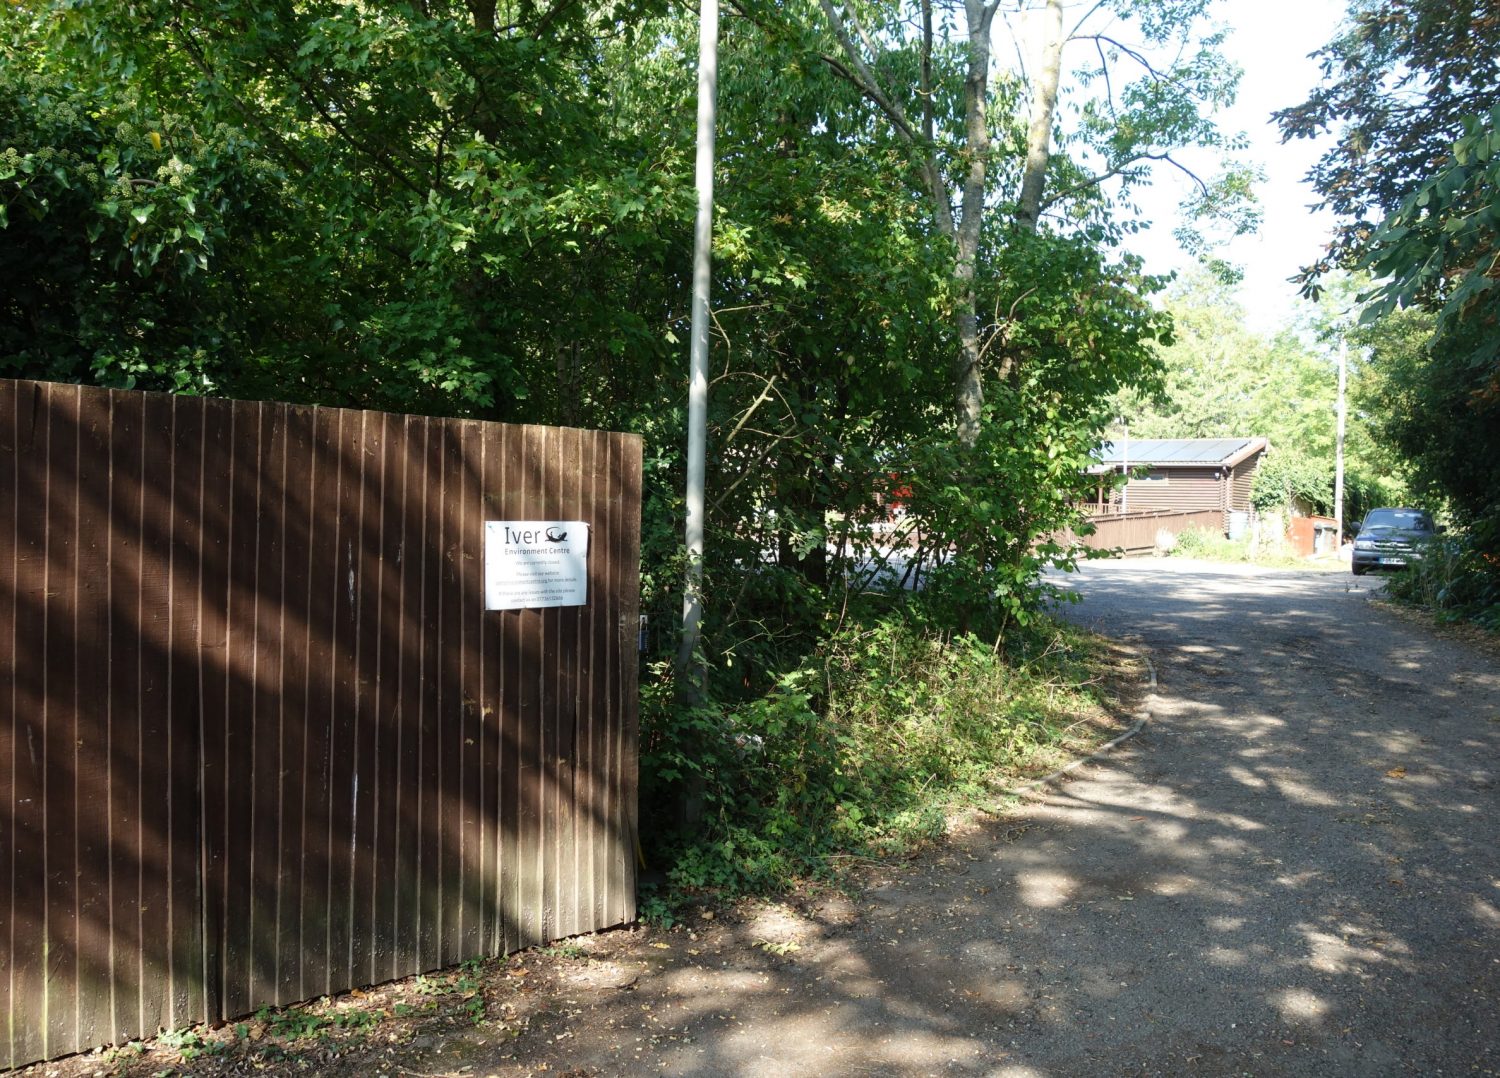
(1360, 570)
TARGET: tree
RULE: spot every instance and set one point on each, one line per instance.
(1399, 80)
(1135, 122)
(1437, 256)
(1221, 380)
(416, 196)
(1412, 86)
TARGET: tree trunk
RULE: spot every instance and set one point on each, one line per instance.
(1039, 134)
(968, 381)
(968, 378)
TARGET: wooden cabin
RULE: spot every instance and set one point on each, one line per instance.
(1183, 475)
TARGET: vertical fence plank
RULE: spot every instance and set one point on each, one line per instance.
(549, 692)
(215, 689)
(486, 756)
(343, 708)
(592, 803)
(490, 659)
(429, 698)
(531, 900)
(157, 857)
(465, 713)
(406, 717)
(508, 488)
(185, 584)
(325, 478)
(267, 766)
(386, 707)
(298, 511)
(619, 861)
(605, 714)
(447, 727)
(10, 743)
(565, 690)
(628, 580)
(60, 722)
(91, 707)
(235, 852)
(366, 599)
(25, 668)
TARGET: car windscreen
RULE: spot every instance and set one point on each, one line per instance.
(1405, 519)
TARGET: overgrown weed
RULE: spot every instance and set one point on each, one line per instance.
(864, 749)
(1211, 546)
(1455, 579)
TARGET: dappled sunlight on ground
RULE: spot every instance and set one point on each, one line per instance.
(1299, 1006)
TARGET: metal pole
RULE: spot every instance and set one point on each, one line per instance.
(690, 670)
(1338, 451)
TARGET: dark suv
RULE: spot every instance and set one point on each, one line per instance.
(1389, 538)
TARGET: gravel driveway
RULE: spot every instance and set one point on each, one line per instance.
(1296, 869)
(1293, 870)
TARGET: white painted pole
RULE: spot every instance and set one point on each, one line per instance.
(689, 668)
(1338, 450)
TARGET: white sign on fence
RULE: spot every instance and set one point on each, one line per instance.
(535, 563)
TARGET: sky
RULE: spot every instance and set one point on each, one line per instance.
(1270, 41)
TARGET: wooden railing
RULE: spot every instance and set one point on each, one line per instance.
(1136, 533)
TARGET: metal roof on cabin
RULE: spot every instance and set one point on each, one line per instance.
(1173, 450)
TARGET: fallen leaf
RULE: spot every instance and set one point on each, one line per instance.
(782, 948)
(1396, 773)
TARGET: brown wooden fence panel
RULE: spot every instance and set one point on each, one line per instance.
(261, 741)
(1135, 533)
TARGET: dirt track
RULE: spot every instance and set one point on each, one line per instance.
(1292, 871)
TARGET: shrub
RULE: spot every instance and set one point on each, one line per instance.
(1198, 543)
(1286, 477)
(1455, 578)
(862, 749)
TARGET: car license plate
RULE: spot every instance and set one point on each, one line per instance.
(1392, 561)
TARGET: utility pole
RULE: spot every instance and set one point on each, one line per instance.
(690, 671)
(1338, 450)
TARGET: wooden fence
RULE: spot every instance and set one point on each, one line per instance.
(259, 739)
(1135, 533)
